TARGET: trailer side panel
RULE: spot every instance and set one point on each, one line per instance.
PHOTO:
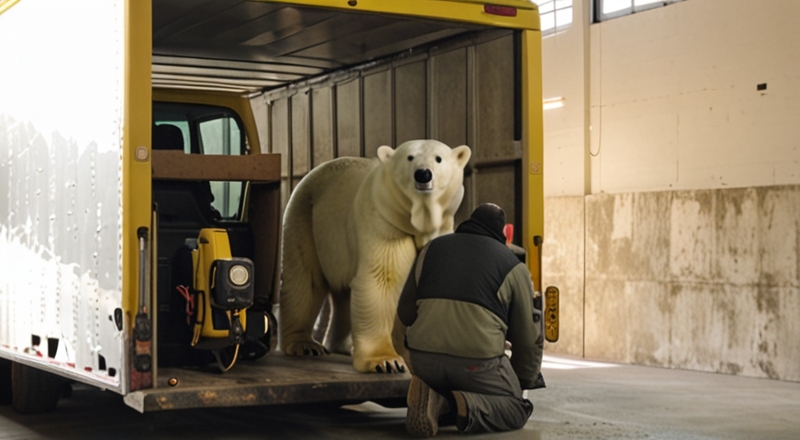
(60, 188)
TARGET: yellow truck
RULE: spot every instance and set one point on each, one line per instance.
(147, 149)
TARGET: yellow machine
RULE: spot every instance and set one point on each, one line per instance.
(223, 291)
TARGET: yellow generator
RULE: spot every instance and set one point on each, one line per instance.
(218, 301)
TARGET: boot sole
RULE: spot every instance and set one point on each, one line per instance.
(418, 421)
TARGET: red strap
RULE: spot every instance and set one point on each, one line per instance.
(508, 230)
(184, 291)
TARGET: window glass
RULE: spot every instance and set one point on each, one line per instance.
(220, 136)
(564, 17)
(607, 9)
(548, 23)
(555, 15)
(610, 6)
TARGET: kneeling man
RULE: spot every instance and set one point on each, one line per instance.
(467, 294)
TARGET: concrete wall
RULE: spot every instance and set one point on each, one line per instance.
(672, 187)
(563, 265)
(705, 280)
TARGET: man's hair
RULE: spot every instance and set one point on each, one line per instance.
(487, 219)
(490, 215)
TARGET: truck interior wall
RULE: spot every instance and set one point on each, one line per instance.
(377, 111)
(280, 143)
(348, 118)
(265, 222)
(322, 133)
(410, 107)
(301, 148)
(459, 92)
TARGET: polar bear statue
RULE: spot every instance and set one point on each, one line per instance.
(352, 228)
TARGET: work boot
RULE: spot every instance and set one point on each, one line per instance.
(424, 408)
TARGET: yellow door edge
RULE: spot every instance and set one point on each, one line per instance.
(533, 150)
(136, 140)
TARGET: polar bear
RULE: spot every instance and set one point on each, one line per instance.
(352, 228)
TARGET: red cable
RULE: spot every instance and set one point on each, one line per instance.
(184, 291)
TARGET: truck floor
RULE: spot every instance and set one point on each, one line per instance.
(273, 379)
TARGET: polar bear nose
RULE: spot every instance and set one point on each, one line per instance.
(423, 175)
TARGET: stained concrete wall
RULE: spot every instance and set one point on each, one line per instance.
(563, 265)
(704, 280)
(671, 186)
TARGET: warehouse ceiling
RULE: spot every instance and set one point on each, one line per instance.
(250, 46)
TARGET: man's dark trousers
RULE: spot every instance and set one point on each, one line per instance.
(490, 387)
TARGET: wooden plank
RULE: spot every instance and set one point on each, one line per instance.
(272, 380)
(176, 165)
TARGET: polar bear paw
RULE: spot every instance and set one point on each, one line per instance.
(381, 365)
(305, 348)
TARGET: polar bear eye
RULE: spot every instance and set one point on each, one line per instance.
(410, 158)
(438, 159)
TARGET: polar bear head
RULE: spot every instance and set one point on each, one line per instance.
(430, 174)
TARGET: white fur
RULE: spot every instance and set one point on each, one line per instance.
(352, 228)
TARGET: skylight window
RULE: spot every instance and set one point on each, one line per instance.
(607, 9)
(555, 15)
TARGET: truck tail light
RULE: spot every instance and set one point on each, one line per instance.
(505, 11)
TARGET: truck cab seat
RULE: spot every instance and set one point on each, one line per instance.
(183, 204)
(167, 137)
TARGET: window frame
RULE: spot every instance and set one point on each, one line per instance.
(600, 16)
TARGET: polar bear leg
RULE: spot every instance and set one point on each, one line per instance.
(375, 291)
(300, 305)
(373, 320)
(303, 290)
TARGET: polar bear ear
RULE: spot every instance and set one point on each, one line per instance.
(462, 154)
(385, 153)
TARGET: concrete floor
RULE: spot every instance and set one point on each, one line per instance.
(583, 400)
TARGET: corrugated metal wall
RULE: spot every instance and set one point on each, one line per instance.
(460, 92)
